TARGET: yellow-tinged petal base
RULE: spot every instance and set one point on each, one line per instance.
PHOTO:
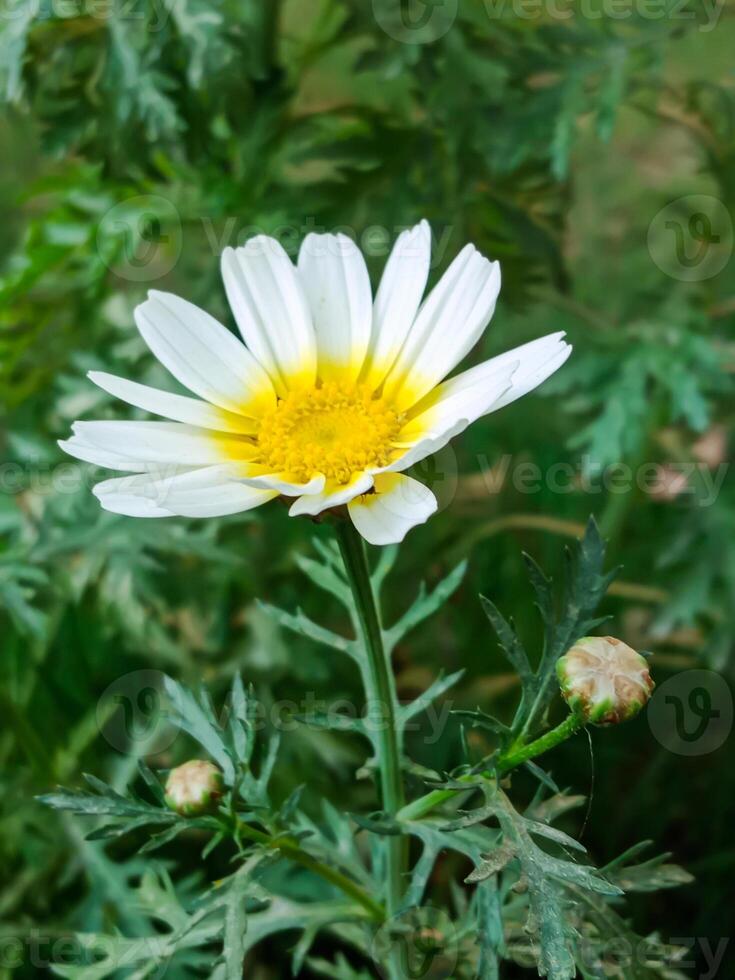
(337, 429)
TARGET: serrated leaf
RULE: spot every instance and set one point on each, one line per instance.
(15, 27)
(480, 719)
(235, 924)
(304, 626)
(425, 605)
(159, 840)
(196, 718)
(490, 931)
(585, 585)
(333, 722)
(440, 686)
(326, 578)
(86, 804)
(648, 876)
(386, 561)
(153, 784)
(341, 969)
(492, 863)
(239, 720)
(509, 642)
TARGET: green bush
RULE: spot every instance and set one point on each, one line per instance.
(594, 157)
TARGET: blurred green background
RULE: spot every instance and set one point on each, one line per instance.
(594, 156)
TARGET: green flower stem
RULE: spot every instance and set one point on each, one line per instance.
(511, 759)
(291, 850)
(522, 753)
(380, 691)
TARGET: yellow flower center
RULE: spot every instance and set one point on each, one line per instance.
(337, 429)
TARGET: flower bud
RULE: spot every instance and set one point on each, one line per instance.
(194, 787)
(604, 680)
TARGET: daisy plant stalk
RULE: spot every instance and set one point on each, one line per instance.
(329, 398)
(380, 692)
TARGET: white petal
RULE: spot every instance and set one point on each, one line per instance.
(489, 386)
(283, 483)
(165, 479)
(203, 355)
(539, 359)
(448, 414)
(456, 403)
(172, 406)
(464, 398)
(271, 310)
(398, 504)
(192, 479)
(337, 286)
(229, 498)
(132, 506)
(204, 492)
(164, 442)
(397, 300)
(331, 496)
(425, 446)
(447, 327)
(90, 453)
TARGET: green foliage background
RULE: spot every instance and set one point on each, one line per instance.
(137, 140)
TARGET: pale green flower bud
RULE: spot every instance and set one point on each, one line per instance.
(604, 680)
(194, 787)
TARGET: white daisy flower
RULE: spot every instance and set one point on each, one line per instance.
(330, 398)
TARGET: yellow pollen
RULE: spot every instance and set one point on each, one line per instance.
(337, 429)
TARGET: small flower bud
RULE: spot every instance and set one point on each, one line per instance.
(604, 680)
(194, 787)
